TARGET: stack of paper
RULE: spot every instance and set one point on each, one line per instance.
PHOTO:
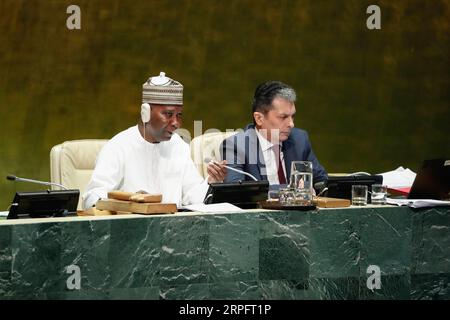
(418, 203)
(213, 208)
(398, 178)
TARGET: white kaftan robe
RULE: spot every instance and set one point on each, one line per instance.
(129, 163)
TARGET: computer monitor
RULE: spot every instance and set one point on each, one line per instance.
(432, 181)
(341, 186)
(42, 204)
(243, 194)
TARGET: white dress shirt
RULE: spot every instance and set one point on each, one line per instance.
(270, 159)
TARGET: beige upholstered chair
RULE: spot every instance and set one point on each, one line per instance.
(207, 146)
(72, 163)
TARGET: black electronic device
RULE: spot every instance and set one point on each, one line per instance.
(341, 186)
(42, 204)
(243, 194)
(432, 181)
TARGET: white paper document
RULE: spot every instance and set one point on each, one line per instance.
(213, 208)
(418, 203)
(398, 178)
(4, 213)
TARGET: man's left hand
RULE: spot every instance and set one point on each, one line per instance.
(216, 171)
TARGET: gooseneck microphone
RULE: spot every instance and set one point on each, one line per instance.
(207, 160)
(14, 178)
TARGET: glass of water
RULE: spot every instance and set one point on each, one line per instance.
(287, 196)
(359, 195)
(378, 194)
(301, 181)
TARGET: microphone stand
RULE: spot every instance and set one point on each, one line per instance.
(14, 178)
(207, 160)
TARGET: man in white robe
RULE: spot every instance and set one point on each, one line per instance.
(150, 156)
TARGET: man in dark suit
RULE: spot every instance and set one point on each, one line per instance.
(267, 148)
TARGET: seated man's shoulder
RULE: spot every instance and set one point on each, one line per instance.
(121, 141)
(297, 132)
(124, 135)
(240, 134)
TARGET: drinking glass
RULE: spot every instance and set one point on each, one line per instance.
(359, 195)
(301, 181)
(378, 194)
(287, 196)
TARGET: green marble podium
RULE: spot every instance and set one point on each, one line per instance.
(259, 254)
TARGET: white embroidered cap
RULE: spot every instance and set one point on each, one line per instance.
(162, 90)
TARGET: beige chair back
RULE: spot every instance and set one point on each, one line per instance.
(207, 146)
(72, 163)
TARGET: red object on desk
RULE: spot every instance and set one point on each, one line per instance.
(400, 191)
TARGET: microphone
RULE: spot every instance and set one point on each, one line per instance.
(207, 160)
(14, 178)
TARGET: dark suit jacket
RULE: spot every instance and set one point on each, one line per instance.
(242, 151)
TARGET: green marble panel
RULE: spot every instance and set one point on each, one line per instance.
(342, 288)
(5, 285)
(392, 251)
(40, 295)
(335, 243)
(5, 262)
(185, 292)
(431, 240)
(233, 247)
(430, 286)
(287, 290)
(87, 245)
(393, 287)
(283, 246)
(83, 294)
(78, 243)
(134, 253)
(36, 264)
(145, 293)
(184, 250)
(242, 256)
(237, 290)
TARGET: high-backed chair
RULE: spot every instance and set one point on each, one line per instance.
(72, 163)
(207, 146)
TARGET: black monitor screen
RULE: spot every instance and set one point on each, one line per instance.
(432, 181)
(48, 203)
(243, 194)
(341, 186)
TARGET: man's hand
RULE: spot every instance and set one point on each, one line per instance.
(216, 171)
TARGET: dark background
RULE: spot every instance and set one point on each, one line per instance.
(371, 100)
